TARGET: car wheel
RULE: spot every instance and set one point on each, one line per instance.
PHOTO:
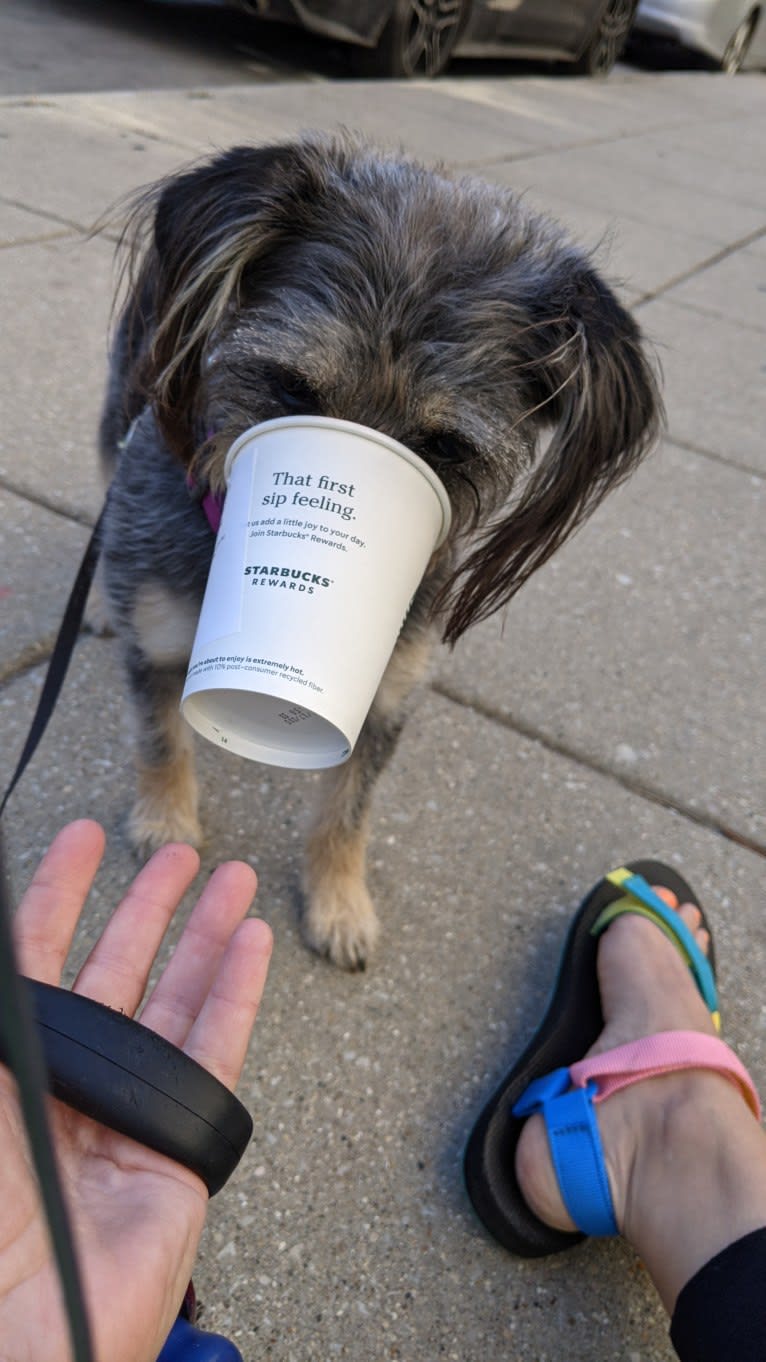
(737, 47)
(419, 38)
(608, 42)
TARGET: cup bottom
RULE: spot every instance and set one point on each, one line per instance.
(265, 728)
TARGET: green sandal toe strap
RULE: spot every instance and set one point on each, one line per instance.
(640, 898)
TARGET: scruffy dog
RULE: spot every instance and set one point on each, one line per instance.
(324, 277)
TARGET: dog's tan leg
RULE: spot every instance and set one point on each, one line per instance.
(340, 919)
(166, 807)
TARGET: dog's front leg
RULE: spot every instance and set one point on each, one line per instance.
(340, 919)
(165, 809)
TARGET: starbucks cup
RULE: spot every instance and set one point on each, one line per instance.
(327, 530)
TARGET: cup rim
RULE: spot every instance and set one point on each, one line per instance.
(352, 428)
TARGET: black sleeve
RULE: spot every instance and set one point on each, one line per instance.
(720, 1314)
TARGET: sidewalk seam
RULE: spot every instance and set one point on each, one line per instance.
(700, 267)
(747, 469)
(550, 149)
(61, 235)
(713, 314)
(45, 504)
(46, 213)
(631, 784)
(73, 228)
(35, 654)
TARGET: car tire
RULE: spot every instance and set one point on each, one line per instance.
(608, 42)
(738, 45)
(419, 38)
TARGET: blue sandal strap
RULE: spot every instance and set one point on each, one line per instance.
(185, 1342)
(576, 1149)
(640, 898)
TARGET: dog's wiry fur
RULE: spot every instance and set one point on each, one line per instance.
(323, 276)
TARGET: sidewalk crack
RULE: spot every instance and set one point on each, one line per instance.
(749, 469)
(33, 656)
(635, 786)
(700, 267)
(47, 504)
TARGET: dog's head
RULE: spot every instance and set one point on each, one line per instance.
(322, 276)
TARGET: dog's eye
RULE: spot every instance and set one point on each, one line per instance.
(448, 448)
(294, 394)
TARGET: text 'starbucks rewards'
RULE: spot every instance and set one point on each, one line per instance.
(326, 533)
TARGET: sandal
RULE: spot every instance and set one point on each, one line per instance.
(551, 1077)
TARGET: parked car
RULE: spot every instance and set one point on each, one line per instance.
(407, 38)
(731, 32)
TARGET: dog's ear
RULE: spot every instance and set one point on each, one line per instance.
(587, 374)
(195, 237)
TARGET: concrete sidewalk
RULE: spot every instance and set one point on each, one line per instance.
(615, 711)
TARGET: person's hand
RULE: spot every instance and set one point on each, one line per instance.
(137, 1216)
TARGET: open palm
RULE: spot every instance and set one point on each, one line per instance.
(137, 1215)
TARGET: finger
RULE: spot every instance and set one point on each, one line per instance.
(219, 1037)
(179, 994)
(118, 967)
(47, 916)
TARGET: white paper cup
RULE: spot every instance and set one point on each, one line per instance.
(326, 533)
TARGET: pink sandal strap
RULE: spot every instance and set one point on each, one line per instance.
(666, 1052)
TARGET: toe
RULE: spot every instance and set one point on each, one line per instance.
(702, 937)
(688, 912)
(666, 895)
(691, 915)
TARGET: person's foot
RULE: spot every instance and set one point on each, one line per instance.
(686, 1159)
(645, 987)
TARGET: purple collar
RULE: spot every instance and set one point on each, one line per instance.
(211, 503)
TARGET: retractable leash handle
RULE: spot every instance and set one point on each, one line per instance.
(124, 1075)
(120, 1073)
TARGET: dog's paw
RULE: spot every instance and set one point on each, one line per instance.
(341, 923)
(151, 826)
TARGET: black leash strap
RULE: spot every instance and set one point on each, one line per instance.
(60, 657)
(21, 1042)
(18, 1032)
